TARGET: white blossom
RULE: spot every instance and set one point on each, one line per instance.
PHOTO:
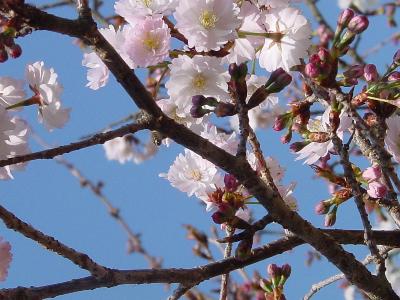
(192, 174)
(196, 76)
(291, 41)
(207, 24)
(43, 82)
(134, 11)
(11, 91)
(228, 142)
(98, 73)
(314, 150)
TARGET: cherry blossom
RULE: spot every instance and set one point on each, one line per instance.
(315, 150)
(196, 76)
(134, 11)
(289, 39)
(13, 141)
(11, 91)
(225, 141)
(207, 24)
(192, 174)
(148, 42)
(98, 73)
(43, 82)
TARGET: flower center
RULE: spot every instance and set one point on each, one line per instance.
(199, 81)
(151, 43)
(195, 175)
(147, 3)
(208, 19)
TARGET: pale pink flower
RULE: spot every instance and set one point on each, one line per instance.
(244, 47)
(11, 91)
(43, 82)
(148, 42)
(372, 173)
(5, 258)
(274, 3)
(207, 24)
(199, 75)
(314, 151)
(287, 49)
(376, 189)
(124, 149)
(192, 174)
(227, 142)
(134, 11)
(287, 195)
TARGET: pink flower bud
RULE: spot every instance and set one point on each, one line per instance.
(370, 73)
(278, 80)
(286, 270)
(3, 55)
(231, 183)
(273, 270)
(358, 24)
(372, 173)
(330, 218)
(376, 189)
(198, 100)
(345, 17)
(280, 123)
(311, 70)
(322, 208)
(395, 76)
(324, 55)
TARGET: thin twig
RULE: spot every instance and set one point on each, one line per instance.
(225, 277)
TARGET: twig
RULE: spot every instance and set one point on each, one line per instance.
(180, 291)
(135, 243)
(320, 285)
(225, 277)
(97, 139)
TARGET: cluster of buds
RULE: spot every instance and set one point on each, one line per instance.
(273, 287)
(372, 176)
(348, 26)
(8, 47)
(329, 207)
(228, 201)
(321, 67)
(202, 105)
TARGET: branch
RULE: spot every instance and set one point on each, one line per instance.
(99, 138)
(195, 275)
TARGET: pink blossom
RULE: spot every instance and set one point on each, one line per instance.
(372, 173)
(376, 189)
(147, 43)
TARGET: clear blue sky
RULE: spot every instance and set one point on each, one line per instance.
(48, 197)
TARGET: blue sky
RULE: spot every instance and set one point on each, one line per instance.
(48, 197)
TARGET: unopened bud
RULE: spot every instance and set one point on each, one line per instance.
(281, 121)
(198, 111)
(394, 76)
(278, 80)
(322, 207)
(370, 73)
(330, 218)
(238, 72)
(286, 270)
(287, 137)
(219, 217)
(231, 183)
(198, 100)
(312, 70)
(358, 24)
(273, 270)
(345, 17)
(258, 97)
